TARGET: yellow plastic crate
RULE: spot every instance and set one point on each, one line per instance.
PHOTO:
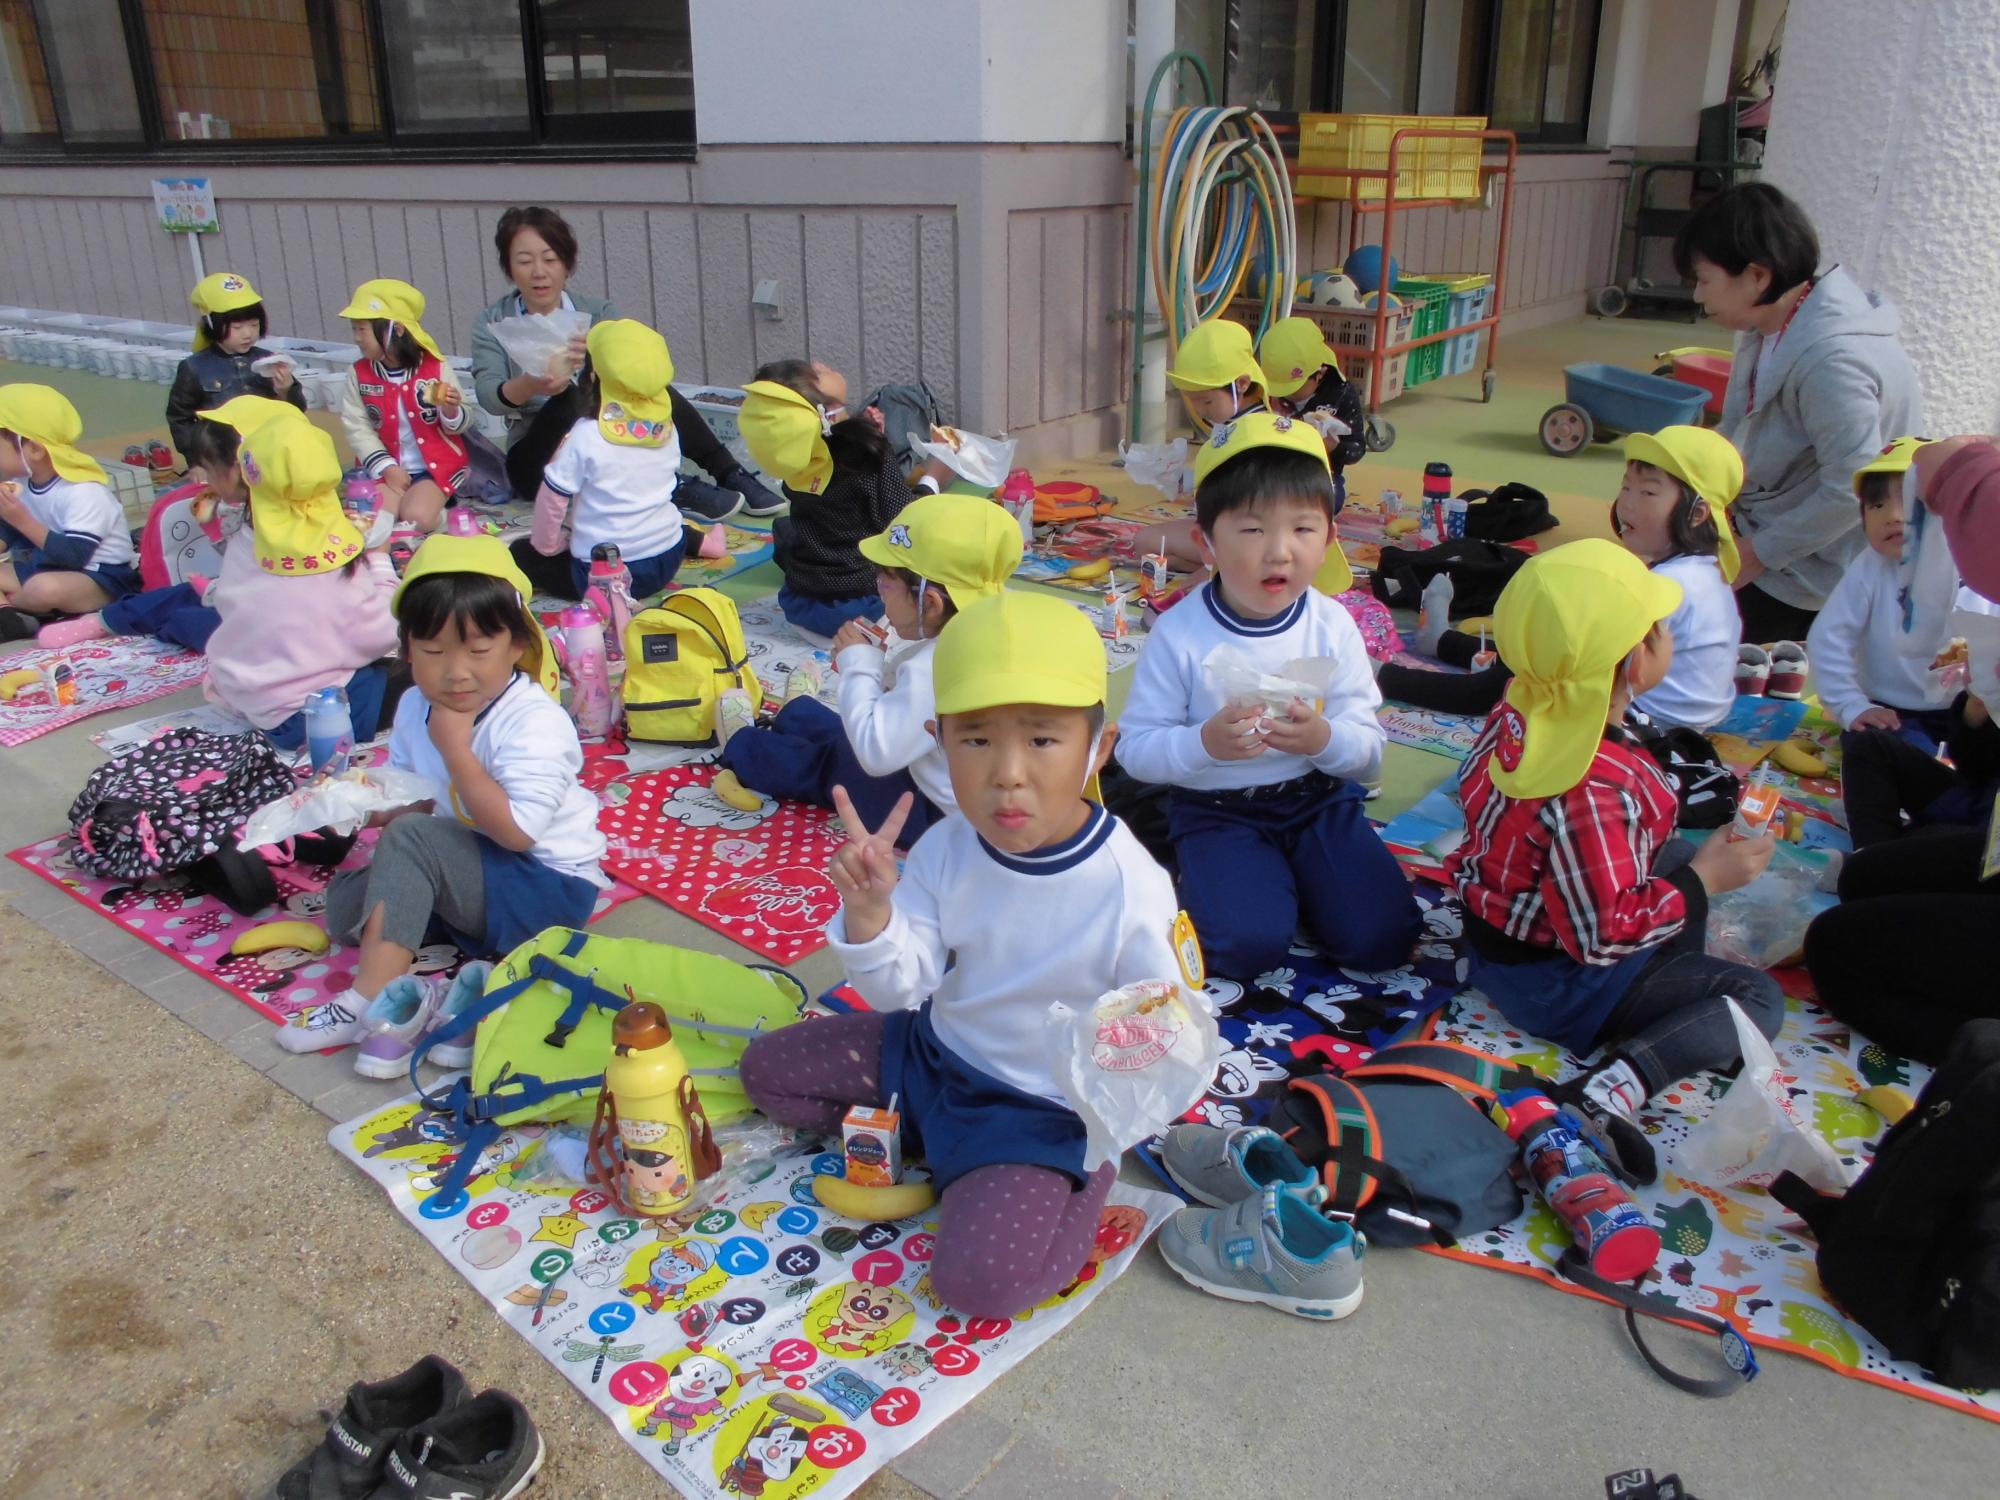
(1452, 281)
(1360, 143)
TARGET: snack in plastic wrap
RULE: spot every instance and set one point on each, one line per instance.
(1755, 1132)
(1164, 466)
(342, 803)
(1132, 1063)
(536, 341)
(1238, 680)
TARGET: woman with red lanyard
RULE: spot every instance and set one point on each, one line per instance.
(1821, 382)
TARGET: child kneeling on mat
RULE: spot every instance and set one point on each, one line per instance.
(510, 847)
(1265, 810)
(1027, 894)
(1585, 915)
(944, 553)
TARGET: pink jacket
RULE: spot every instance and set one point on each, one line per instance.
(283, 639)
(1965, 495)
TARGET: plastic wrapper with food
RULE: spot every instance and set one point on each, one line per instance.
(342, 803)
(535, 341)
(1132, 1063)
(1238, 679)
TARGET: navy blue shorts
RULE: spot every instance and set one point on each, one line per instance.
(960, 1118)
(116, 579)
(523, 896)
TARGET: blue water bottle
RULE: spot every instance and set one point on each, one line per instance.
(329, 731)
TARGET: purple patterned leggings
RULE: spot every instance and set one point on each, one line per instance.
(1009, 1237)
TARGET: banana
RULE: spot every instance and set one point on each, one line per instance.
(1474, 624)
(873, 1205)
(1402, 526)
(735, 793)
(1801, 757)
(13, 682)
(268, 935)
(1888, 1101)
(1090, 572)
(756, 1213)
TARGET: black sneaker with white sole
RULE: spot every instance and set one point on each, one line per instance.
(487, 1449)
(349, 1462)
(758, 499)
(707, 503)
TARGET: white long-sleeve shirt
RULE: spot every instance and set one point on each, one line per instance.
(1700, 685)
(527, 744)
(885, 702)
(1159, 734)
(991, 938)
(1855, 646)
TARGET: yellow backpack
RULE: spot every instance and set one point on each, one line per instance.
(680, 656)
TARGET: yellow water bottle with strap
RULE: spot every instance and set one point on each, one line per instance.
(650, 1142)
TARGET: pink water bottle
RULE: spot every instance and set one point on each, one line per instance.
(462, 521)
(1018, 496)
(610, 595)
(582, 650)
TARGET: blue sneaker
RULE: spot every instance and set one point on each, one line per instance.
(1219, 1167)
(1274, 1248)
(467, 986)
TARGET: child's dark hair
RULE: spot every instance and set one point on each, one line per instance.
(1879, 489)
(403, 348)
(913, 580)
(1751, 224)
(1263, 474)
(216, 325)
(212, 446)
(1687, 536)
(855, 442)
(478, 602)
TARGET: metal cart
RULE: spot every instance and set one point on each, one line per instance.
(1645, 222)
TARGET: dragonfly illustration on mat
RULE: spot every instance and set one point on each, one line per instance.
(577, 1351)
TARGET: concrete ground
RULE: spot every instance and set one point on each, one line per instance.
(195, 1275)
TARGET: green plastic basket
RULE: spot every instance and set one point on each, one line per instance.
(1432, 301)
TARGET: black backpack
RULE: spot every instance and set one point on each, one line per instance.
(172, 801)
(1911, 1252)
(1479, 571)
(1507, 514)
(1707, 790)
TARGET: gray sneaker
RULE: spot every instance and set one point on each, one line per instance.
(1219, 1167)
(1274, 1248)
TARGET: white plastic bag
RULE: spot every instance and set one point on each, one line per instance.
(1754, 1133)
(1162, 465)
(1239, 679)
(535, 340)
(342, 803)
(974, 457)
(1133, 1063)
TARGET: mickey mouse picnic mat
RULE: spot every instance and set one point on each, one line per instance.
(756, 1345)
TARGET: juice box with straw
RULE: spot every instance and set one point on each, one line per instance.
(873, 1144)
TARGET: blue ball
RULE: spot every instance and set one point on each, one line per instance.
(1365, 267)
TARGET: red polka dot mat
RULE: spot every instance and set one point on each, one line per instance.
(757, 876)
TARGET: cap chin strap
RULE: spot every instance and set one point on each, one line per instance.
(923, 594)
(1090, 764)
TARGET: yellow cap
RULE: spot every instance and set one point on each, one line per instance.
(296, 519)
(633, 368)
(786, 435)
(444, 553)
(1896, 458)
(1707, 463)
(1260, 429)
(247, 413)
(1563, 624)
(219, 292)
(1292, 350)
(44, 414)
(967, 546)
(398, 301)
(1214, 354)
(1018, 647)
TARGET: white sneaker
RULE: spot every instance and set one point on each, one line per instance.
(401, 1014)
(333, 1023)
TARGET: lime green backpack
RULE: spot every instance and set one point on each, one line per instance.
(544, 1031)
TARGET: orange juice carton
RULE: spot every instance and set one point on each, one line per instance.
(873, 1143)
(1153, 572)
(1757, 806)
(1108, 614)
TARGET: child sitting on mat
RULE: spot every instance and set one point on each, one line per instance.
(231, 321)
(1265, 808)
(403, 408)
(842, 479)
(943, 553)
(1585, 916)
(68, 547)
(1027, 894)
(303, 599)
(511, 845)
(613, 479)
(1672, 512)
(1216, 369)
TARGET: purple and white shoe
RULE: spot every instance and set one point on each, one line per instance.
(393, 1025)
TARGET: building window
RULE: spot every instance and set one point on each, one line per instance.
(614, 72)
(372, 75)
(457, 66)
(1527, 64)
(27, 105)
(300, 70)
